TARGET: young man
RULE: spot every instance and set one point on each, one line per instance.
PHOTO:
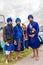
(8, 38)
(18, 37)
(32, 31)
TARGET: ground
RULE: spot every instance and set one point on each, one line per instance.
(31, 61)
(23, 54)
(26, 58)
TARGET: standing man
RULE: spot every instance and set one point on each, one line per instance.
(32, 31)
(18, 37)
(8, 38)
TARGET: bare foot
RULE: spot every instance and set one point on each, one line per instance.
(37, 58)
(16, 58)
(6, 62)
(33, 56)
(26, 49)
(20, 56)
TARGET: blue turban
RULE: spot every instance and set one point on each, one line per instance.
(30, 16)
(18, 19)
(9, 19)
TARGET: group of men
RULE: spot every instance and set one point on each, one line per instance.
(14, 37)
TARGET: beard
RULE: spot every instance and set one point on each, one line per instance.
(9, 24)
(18, 25)
(11, 27)
(31, 21)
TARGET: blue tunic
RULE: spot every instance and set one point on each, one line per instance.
(33, 28)
(18, 37)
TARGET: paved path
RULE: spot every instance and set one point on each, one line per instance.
(31, 61)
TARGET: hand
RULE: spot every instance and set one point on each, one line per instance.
(32, 35)
(7, 43)
(15, 42)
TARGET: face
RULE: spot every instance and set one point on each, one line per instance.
(10, 23)
(30, 19)
(23, 26)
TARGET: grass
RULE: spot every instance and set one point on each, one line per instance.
(23, 54)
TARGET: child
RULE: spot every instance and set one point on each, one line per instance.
(25, 36)
(26, 39)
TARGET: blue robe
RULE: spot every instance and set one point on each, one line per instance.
(33, 28)
(11, 44)
(18, 37)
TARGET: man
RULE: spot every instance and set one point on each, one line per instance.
(32, 31)
(18, 37)
(8, 38)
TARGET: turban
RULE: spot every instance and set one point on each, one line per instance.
(18, 19)
(9, 19)
(30, 16)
